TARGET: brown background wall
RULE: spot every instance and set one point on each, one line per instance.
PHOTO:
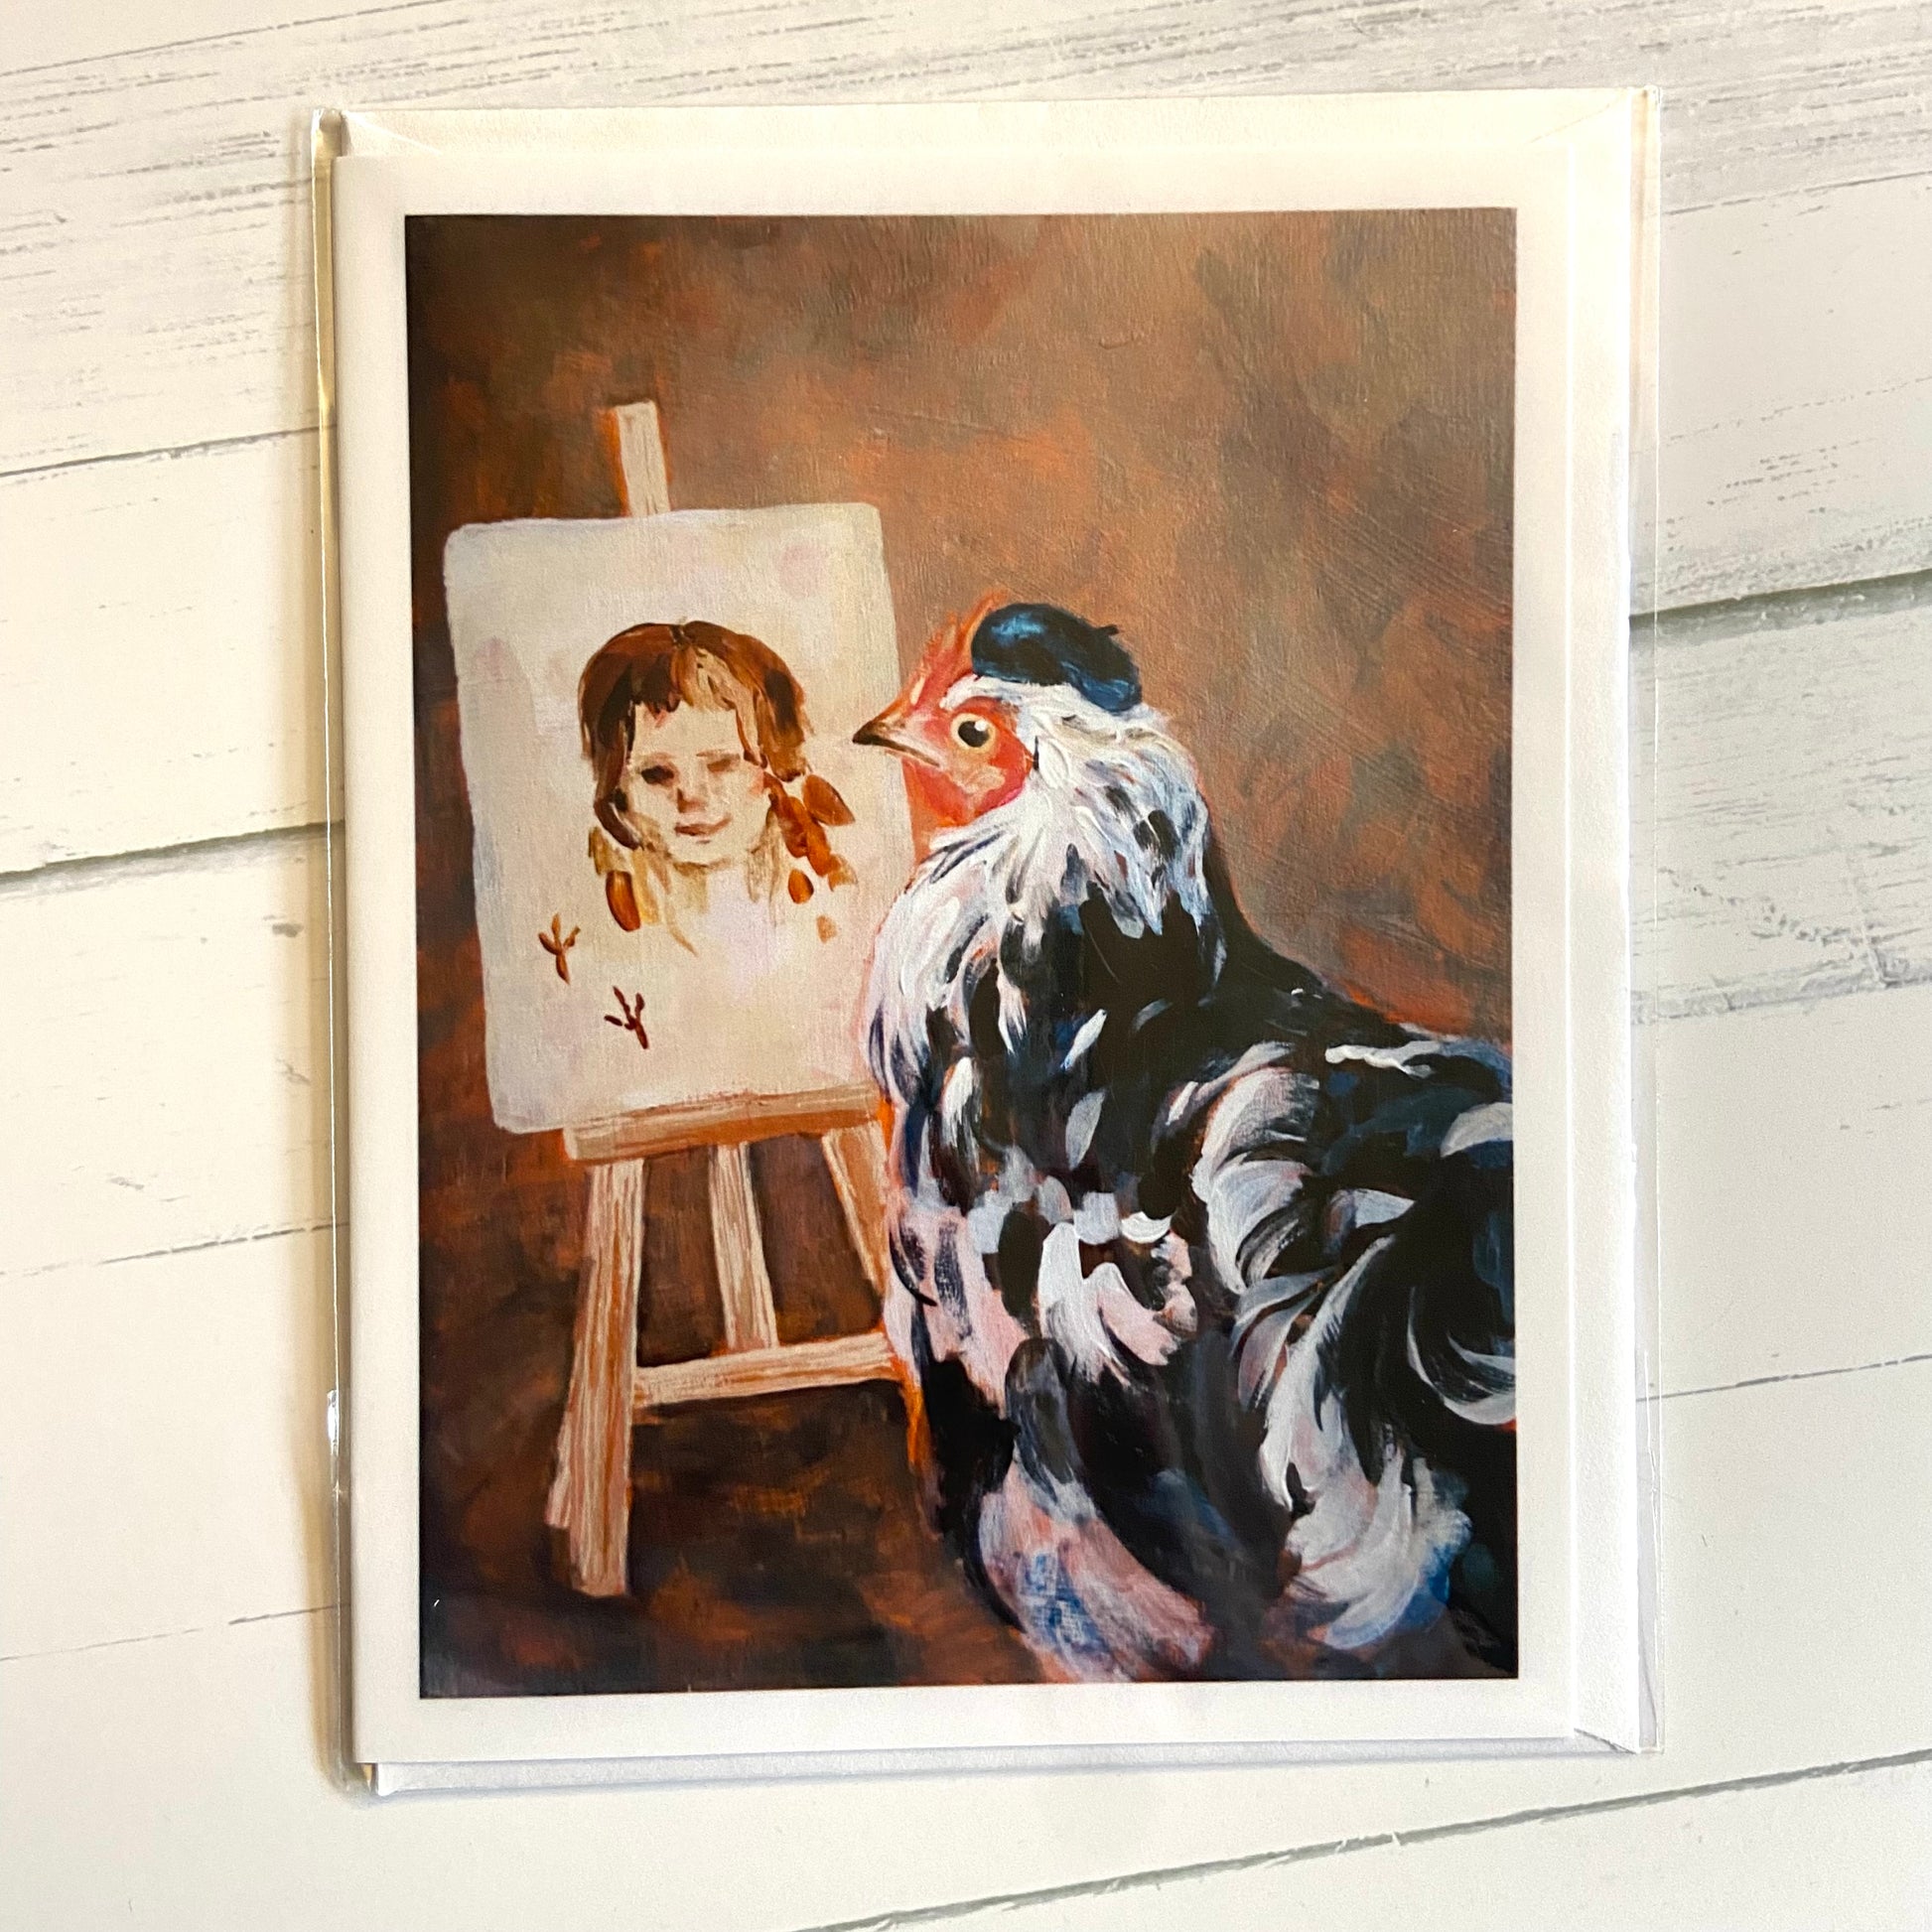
(1274, 450)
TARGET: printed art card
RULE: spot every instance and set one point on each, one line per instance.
(988, 966)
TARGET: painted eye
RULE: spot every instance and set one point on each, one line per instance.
(973, 732)
(657, 775)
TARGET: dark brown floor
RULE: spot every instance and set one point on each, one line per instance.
(776, 1543)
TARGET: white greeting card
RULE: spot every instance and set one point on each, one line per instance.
(989, 915)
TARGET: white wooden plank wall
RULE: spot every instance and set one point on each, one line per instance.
(166, 1643)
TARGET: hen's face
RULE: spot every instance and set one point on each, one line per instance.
(962, 754)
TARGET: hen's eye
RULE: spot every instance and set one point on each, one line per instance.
(973, 732)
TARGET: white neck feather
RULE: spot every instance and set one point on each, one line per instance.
(1112, 805)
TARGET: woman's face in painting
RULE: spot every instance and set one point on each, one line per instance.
(690, 783)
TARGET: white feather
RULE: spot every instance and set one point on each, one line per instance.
(1478, 1127)
(1367, 1551)
(1400, 1058)
(1084, 1039)
(1097, 1219)
(1082, 1118)
(1069, 1308)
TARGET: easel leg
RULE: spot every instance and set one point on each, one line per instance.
(855, 1158)
(744, 1286)
(590, 1494)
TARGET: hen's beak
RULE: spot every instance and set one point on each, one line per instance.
(887, 733)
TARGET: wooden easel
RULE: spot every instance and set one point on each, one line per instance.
(590, 1492)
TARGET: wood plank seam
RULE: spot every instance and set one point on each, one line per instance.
(1778, 468)
(215, 39)
(188, 855)
(1654, 631)
(1795, 1375)
(161, 452)
(1799, 604)
(1157, 1876)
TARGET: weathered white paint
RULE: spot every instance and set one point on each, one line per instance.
(166, 1078)
(156, 1028)
(1796, 391)
(162, 1429)
(1748, 1856)
(161, 638)
(1790, 785)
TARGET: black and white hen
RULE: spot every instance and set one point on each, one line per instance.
(1206, 1290)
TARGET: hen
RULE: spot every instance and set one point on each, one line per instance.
(1205, 1294)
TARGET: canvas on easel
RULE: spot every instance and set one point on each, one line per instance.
(680, 859)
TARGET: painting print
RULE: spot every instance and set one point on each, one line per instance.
(964, 1004)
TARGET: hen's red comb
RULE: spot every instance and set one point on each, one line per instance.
(949, 653)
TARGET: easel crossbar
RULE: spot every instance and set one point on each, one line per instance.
(763, 1371)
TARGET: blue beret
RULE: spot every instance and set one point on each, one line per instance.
(1039, 643)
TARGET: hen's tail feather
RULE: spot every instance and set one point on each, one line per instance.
(1361, 1219)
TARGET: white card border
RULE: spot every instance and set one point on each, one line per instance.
(1566, 162)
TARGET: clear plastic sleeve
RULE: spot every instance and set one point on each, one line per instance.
(400, 198)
